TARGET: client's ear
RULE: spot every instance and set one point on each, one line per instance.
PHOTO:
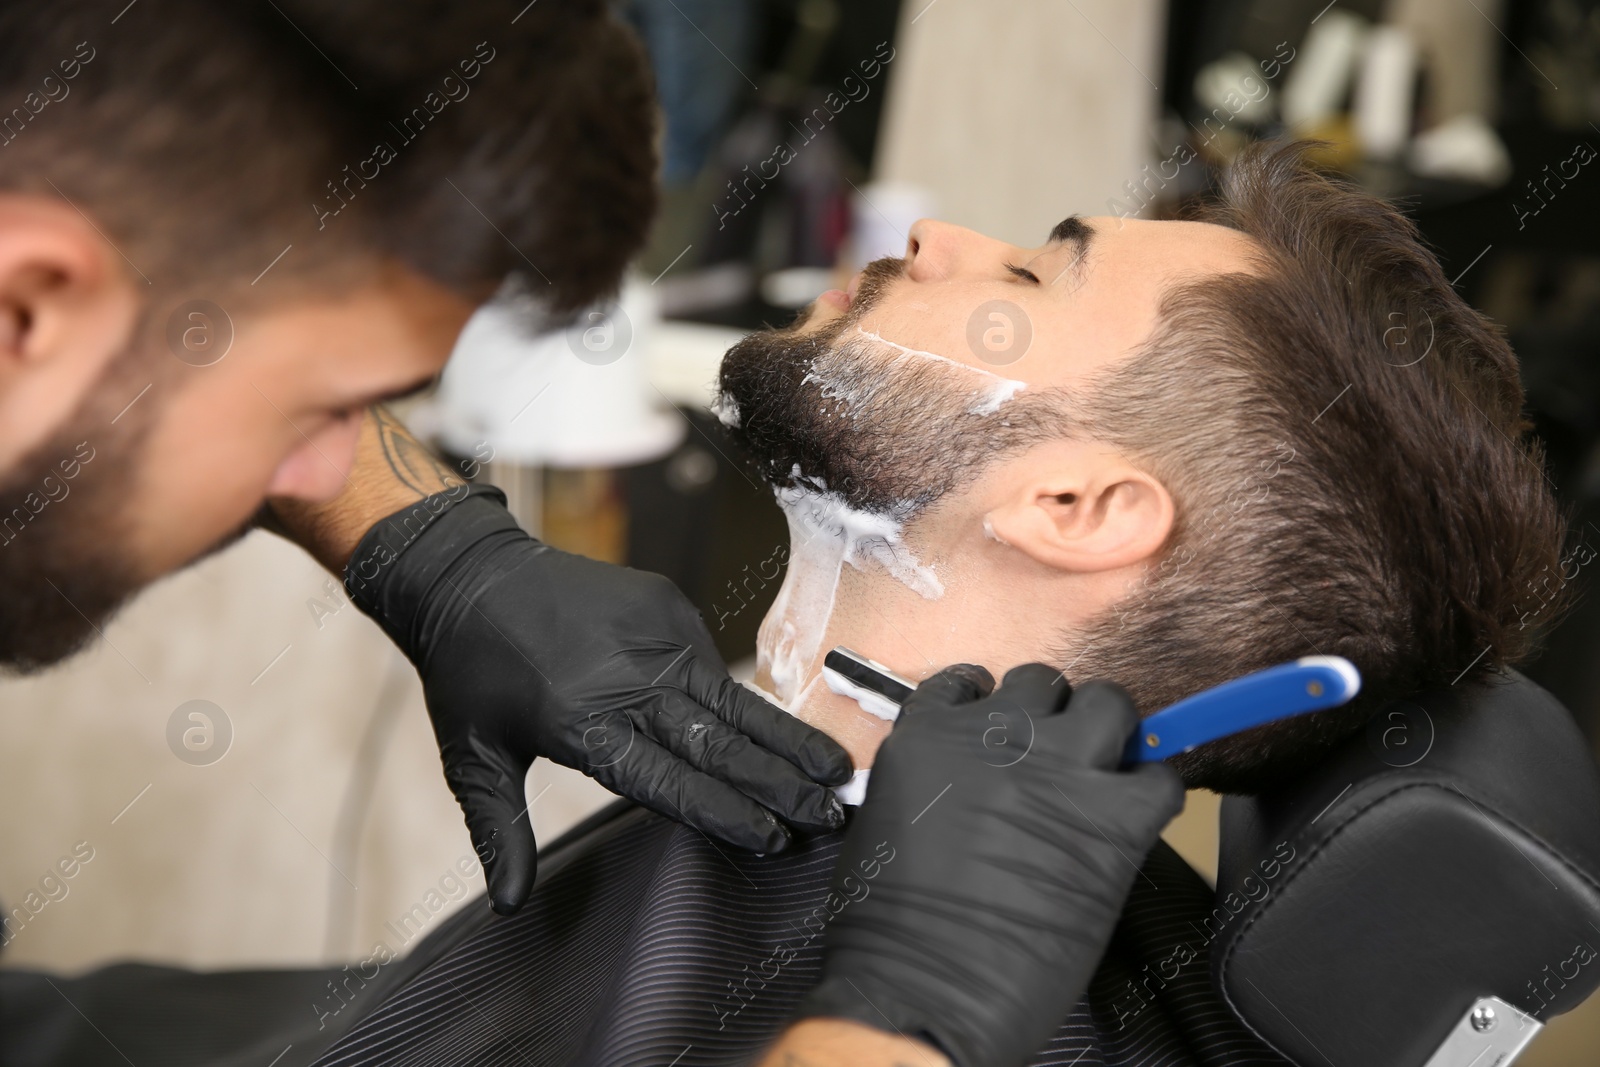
(66, 308)
(1099, 515)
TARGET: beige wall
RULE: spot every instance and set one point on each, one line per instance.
(1018, 114)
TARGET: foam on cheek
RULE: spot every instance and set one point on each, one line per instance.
(726, 409)
(988, 531)
(825, 533)
(999, 389)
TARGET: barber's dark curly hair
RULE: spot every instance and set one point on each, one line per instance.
(1344, 439)
(474, 141)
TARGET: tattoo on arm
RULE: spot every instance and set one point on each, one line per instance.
(416, 468)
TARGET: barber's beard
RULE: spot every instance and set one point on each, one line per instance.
(65, 565)
(836, 409)
(67, 554)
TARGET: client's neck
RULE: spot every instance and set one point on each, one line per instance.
(790, 668)
(938, 594)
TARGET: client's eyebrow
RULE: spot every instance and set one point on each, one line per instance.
(1073, 230)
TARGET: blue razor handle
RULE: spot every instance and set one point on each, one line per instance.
(1313, 683)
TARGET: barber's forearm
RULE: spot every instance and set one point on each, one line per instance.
(842, 1043)
(392, 469)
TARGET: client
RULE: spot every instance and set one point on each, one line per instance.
(1198, 449)
(1209, 447)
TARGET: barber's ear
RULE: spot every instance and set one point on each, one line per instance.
(1099, 516)
(67, 306)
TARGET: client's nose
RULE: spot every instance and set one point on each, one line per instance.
(941, 251)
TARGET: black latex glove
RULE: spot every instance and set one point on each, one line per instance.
(526, 651)
(983, 876)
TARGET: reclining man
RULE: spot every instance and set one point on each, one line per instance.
(1271, 432)
(1268, 432)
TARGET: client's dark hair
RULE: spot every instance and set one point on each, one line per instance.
(1344, 439)
(204, 138)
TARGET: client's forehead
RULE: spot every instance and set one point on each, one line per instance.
(1171, 249)
(1109, 286)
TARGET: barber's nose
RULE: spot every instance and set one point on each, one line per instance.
(940, 251)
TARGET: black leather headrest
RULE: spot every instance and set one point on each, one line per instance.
(1450, 852)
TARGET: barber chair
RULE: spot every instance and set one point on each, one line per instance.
(1428, 897)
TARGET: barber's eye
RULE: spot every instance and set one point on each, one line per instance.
(1023, 273)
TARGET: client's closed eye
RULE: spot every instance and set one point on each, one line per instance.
(1023, 272)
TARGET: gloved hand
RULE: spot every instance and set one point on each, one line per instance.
(987, 869)
(526, 651)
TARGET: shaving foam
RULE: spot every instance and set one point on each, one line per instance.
(726, 409)
(999, 390)
(854, 792)
(825, 533)
(871, 703)
(988, 531)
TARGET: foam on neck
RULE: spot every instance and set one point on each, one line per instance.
(825, 533)
(852, 792)
(870, 702)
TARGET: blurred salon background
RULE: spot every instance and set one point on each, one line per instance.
(247, 758)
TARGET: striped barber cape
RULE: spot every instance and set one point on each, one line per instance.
(644, 944)
(648, 945)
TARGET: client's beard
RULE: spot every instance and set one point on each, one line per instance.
(837, 409)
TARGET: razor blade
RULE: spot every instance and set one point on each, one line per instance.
(869, 683)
